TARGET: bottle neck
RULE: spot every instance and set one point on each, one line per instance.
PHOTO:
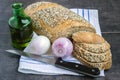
(18, 12)
(18, 9)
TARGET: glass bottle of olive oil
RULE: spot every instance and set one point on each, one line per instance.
(20, 27)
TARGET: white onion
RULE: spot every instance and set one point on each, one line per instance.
(62, 47)
(39, 45)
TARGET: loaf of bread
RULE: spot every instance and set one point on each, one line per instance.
(92, 50)
(54, 20)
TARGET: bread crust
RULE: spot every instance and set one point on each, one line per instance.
(102, 65)
(39, 6)
(87, 37)
(92, 57)
(94, 48)
(54, 21)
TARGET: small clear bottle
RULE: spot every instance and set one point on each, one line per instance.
(20, 27)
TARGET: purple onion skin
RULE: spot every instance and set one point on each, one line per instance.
(62, 47)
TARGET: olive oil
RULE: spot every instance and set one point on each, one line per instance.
(20, 27)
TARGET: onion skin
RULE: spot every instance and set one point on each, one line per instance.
(62, 47)
(39, 45)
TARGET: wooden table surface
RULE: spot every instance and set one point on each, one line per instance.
(109, 17)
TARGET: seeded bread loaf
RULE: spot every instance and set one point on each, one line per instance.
(92, 50)
(95, 48)
(53, 20)
(101, 65)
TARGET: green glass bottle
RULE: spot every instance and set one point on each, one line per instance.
(20, 27)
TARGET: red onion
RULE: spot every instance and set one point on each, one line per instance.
(62, 47)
